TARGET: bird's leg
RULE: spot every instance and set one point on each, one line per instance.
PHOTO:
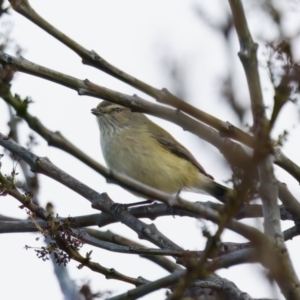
(146, 201)
(138, 203)
(178, 193)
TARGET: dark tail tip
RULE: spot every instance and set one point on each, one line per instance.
(221, 192)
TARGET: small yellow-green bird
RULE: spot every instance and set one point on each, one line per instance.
(134, 145)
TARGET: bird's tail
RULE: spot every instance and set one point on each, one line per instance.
(219, 191)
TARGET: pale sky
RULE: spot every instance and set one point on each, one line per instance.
(136, 36)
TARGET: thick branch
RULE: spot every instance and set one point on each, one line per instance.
(281, 269)
(248, 58)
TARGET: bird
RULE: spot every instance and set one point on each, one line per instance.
(134, 145)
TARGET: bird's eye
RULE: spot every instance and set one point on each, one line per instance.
(117, 110)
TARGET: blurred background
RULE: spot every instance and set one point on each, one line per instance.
(187, 46)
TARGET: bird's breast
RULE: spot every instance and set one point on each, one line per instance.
(143, 158)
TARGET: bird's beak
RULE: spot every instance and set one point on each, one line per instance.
(96, 111)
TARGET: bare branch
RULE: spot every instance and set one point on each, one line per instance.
(115, 238)
(165, 282)
(285, 163)
(261, 128)
(248, 57)
(89, 57)
(233, 152)
(86, 261)
(289, 201)
(103, 202)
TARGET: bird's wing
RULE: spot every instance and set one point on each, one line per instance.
(175, 147)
